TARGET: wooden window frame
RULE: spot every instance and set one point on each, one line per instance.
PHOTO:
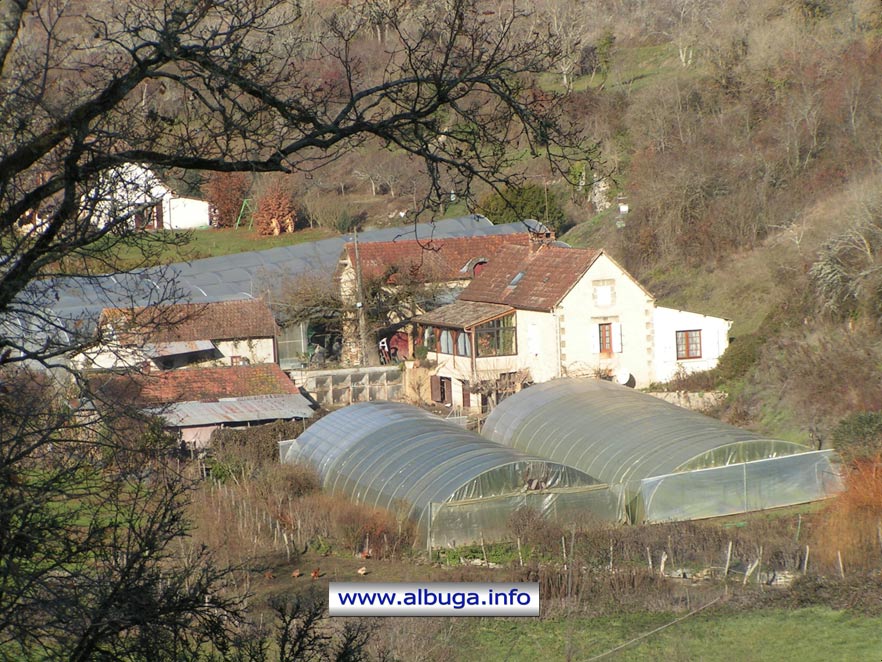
(496, 337)
(605, 338)
(686, 346)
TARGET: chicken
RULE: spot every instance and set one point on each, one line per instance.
(362, 571)
(296, 573)
(316, 574)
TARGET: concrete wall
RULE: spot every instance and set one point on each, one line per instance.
(337, 388)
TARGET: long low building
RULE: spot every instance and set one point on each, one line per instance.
(670, 463)
(457, 487)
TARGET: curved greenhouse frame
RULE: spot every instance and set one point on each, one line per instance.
(672, 463)
(456, 485)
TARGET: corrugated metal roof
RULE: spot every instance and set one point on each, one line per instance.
(238, 410)
(240, 275)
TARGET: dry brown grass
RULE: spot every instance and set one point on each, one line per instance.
(851, 526)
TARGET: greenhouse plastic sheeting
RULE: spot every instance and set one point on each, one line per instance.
(404, 459)
(620, 435)
(739, 488)
(467, 522)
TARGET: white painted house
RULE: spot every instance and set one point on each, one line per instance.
(134, 193)
(540, 312)
(687, 342)
(221, 333)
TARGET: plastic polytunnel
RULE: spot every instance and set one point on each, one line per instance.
(456, 486)
(671, 463)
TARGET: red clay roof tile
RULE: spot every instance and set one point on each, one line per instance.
(429, 261)
(194, 384)
(548, 274)
(221, 320)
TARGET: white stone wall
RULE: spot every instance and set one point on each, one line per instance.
(607, 295)
(183, 213)
(714, 341)
(259, 350)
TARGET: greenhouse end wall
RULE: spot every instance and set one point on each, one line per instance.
(737, 488)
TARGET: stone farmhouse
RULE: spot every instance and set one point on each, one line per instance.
(220, 333)
(541, 311)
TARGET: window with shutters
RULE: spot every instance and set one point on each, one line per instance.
(442, 389)
(689, 344)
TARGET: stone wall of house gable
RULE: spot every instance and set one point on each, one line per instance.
(581, 312)
(260, 350)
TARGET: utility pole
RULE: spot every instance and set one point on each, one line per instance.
(359, 304)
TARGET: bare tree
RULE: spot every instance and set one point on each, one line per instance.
(87, 92)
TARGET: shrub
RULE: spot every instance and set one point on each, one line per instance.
(529, 201)
(858, 436)
(740, 356)
(225, 192)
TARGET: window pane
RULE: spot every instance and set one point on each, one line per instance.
(689, 344)
(445, 339)
(463, 344)
(497, 338)
(605, 331)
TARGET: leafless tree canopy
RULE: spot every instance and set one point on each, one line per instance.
(93, 95)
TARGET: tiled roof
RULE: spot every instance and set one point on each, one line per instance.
(464, 314)
(233, 320)
(194, 384)
(547, 274)
(429, 260)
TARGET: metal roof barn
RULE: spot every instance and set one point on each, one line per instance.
(456, 486)
(654, 450)
(237, 410)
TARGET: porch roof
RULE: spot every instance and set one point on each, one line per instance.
(464, 314)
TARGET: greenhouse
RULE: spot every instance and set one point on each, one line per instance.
(457, 487)
(669, 463)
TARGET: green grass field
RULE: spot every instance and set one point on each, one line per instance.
(211, 242)
(804, 635)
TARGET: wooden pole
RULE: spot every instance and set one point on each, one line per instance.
(520, 556)
(728, 559)
(805, 560)
(484, 549)
(759, 565)
(841, 568)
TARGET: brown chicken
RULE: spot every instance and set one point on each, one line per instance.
(316, 574)
(296, 573)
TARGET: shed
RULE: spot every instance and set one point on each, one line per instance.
(454, 485)
(671, 463)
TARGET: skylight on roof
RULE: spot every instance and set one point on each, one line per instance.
(517, 279)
